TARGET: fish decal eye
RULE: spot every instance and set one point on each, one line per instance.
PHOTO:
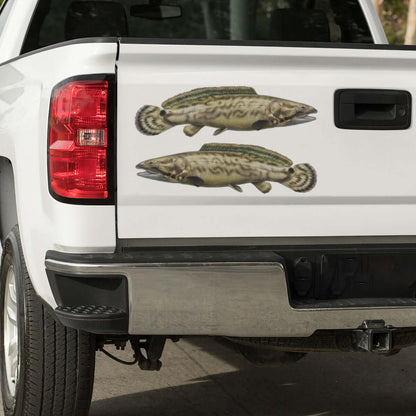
(229, 165)
(223, 108)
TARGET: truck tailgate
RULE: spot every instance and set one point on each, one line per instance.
(365, 178)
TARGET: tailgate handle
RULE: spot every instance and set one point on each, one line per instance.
(359, 109)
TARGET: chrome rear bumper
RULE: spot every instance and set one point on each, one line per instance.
(241, 299)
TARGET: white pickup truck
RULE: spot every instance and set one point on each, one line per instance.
(148, 192)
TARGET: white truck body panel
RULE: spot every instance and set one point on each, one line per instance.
(365, 183)
(44, 223)
(15, 28)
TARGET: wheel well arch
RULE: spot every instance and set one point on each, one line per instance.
(8, 209)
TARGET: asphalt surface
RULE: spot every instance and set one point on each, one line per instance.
(201, 377)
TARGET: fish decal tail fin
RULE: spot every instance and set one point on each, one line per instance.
(150, 122)
(302, 179)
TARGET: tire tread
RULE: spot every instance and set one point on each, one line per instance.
(58, 362)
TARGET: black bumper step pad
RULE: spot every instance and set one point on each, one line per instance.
(99, 319)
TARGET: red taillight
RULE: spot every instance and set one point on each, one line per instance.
(78, 140)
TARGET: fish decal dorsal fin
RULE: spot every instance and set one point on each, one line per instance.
(201, 95)
(255, 152)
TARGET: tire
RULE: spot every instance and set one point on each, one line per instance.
(54, 365)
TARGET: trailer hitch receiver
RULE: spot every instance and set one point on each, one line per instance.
(374, 336)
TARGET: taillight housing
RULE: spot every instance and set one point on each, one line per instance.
(79, 164)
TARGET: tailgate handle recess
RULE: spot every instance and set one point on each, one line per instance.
(359, 109)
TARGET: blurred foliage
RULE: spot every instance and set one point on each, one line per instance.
(395, 19)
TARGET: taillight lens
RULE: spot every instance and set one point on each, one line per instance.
(78, 140)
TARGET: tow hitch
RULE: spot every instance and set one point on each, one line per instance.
(374, 336)
(153, 347)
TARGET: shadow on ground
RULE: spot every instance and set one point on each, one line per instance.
(320, 384)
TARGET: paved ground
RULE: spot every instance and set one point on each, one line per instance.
(203, 377)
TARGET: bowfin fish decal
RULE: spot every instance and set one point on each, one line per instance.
(191, 130)
(236, 188)
(254, 152)
(149, 121)
(260, 124)
(229, 165)
(195, 180)
(204, 95)
(264, 187)
(302, 179)
(223, 108)
(219, 131)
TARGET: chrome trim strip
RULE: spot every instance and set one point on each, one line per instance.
(87, 268)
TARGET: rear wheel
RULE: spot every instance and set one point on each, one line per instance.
(45, 368)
